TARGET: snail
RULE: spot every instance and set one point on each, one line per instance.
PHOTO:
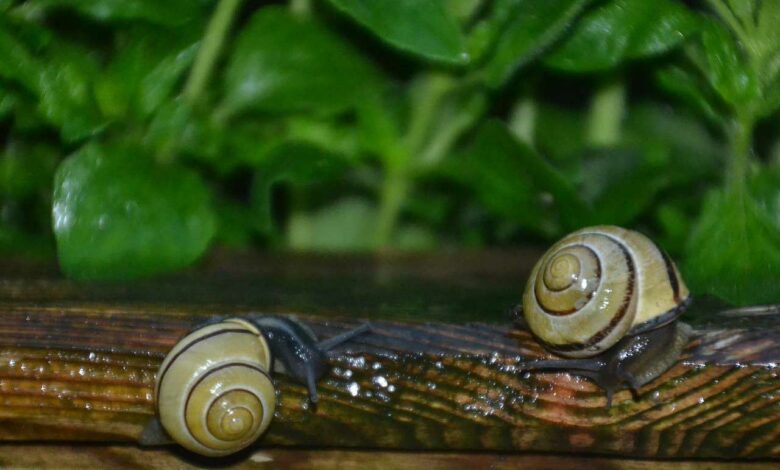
(608, 299)
(214, 394)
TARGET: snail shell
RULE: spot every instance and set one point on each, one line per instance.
(214, 394)
(597, 285)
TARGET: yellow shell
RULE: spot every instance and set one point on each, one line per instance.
(598, 284)
(214, 394)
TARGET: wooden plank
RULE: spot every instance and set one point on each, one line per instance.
(61, 457)
(79, 362)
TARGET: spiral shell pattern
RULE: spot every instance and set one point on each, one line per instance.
(214, 395)
(598, 284)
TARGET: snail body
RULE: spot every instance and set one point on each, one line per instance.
(610, 298)
(214, 394)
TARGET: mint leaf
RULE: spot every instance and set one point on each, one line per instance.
(118, 215)
(725, 67)
(515, 182)
(425, 28)
(623, 29)
(533, 26)
(734, 251)
(283, 62)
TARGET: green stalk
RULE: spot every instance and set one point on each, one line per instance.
(606, 114)
(397, 165)
(394, 191)
(741, 149)
(216, 32)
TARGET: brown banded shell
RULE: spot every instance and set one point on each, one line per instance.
(598, 284)
(214, 395)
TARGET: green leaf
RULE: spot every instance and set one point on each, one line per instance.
(725, 67)
(295, 163)
(690, 89)
(623, 29)
(287, 63)
(61, 76)
(66, 93)
(734, 251)
(168, 12)
(19, 64)
(425, 28)
(118, 215)
(515, 182)
(610, 178)
(534, 25)
(145, 69)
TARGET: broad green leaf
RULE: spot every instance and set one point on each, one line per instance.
(167, 12)
(425, 28)
(533, 26)
(66, 93)
(283, 62)
(610, 178)
(734, 251)
(676, 144)
(674, 220)
(61, 77)
(690, 89)
(118, 215)
(515, 182)
(19, 64)
(623, 29)
(726, 68)
(348, 224)
(145, 68)
(295, 163)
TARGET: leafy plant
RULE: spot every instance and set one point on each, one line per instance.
(137, 134)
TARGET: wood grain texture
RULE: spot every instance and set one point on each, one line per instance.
(78, 363)
(78, 457)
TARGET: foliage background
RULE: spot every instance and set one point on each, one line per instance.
(137, 134)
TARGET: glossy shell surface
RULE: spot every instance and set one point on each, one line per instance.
(214, 394)
(598, 284)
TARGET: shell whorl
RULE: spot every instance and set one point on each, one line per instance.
(214, 394)
(598, 284)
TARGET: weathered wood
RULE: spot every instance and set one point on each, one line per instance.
(60, 457)
(79, 363)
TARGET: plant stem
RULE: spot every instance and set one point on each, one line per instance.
(606, 114)
(216, 32)
(441, 142)
(741, 149)
(397, 165)
(432, 91)
(394, 191)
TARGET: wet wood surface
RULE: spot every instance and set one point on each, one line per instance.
(437, 373)
(62, 457)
